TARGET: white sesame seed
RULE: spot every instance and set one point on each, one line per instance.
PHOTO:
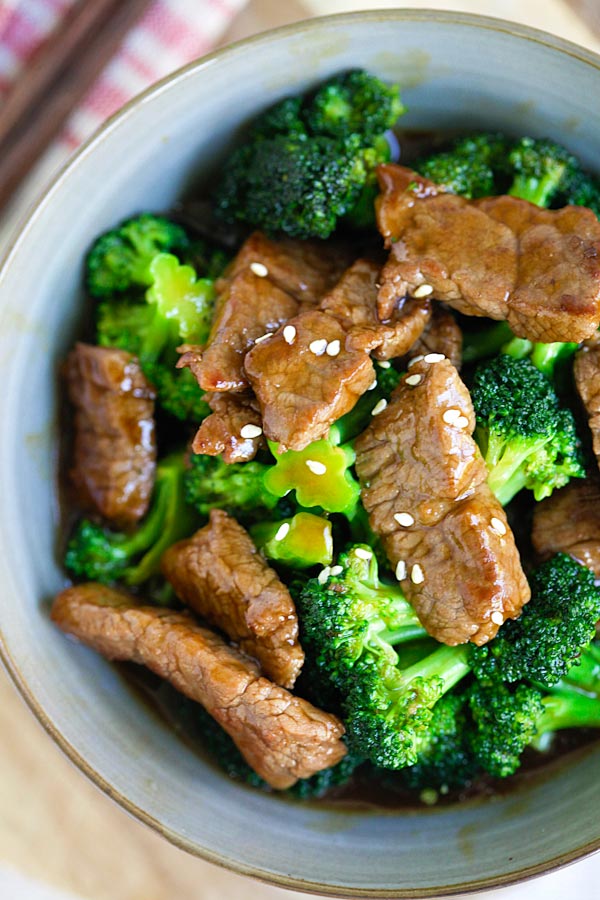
(324, 575)
(251, 431)
(416, 574)
(289, 334)
(424, 290)
(263, 337)
(451, 415)
(461, 422)
(363, 554)
(282, 531)
(498, 526)
(414, 380)
(379, 407)
(497, 618)
(372, 386)
(404, 519)
(384, 364)
(433, 357)
(333, 348)
(316, 467)
(259, 269)
(318, 347)
(337, 570)
(415, 359)
(401, 570)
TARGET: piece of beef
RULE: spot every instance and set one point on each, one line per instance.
(424, 487)
(303, 269)
(353, 301)
(586, 371)
(281, 736)
(248, 307)
(225, 432)
(114, 443)
(569, 522)
(442, 335)
(305, 378)
(220, 575)
(500, 257)
(266, 284)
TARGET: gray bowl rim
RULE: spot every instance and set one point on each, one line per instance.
(222, 56)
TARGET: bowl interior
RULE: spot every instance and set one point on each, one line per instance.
(457, 71)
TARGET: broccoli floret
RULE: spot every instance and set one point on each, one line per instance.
(508, 719)
(119, 260)
(320, 151)
(471, 166)
(303, 541)
(580, 189)
(526, 438)
(540, 168)
(210, 261)
(354, 103)
(320, 475)
(178, 307)
(547, 638)
(351, 626)
(237, 488)
(96, 553)
(445, 759)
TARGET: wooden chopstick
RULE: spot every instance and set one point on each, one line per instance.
(52, 86)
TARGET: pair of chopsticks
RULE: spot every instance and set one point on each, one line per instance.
(56, 79)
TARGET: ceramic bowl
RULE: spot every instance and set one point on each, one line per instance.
(456, 71)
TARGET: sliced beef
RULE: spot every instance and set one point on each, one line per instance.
(442, 335)
(226, 431)
(114, 445)
(248, 307)
(569, 522)
(353, 301)
(500, 257)
(305, 378)
(424, 487)
(281, 736)
(586, 370)
(220, 575)
(303, 269)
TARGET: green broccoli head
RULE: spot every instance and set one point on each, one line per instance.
(237, 488)
(352, 625)
(580, 189)
(472, 166)
(526, 438)
(553, 628)
(320, 151)
(119, 260)
(444, 756)
(505, 722)
(355, 102)
(95, 553)
(540, 168)
(179, 307)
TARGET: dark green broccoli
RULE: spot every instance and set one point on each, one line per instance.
(540, 168)
(303, 541)
(119, 260)
(237, 488)
(485, 340)
(546, 640)
(96, 553)
(354, 422)
(472, 165)
(352, 624)
(526, 438)
(445, 759)
(508, 719)
(178, 308)
(320, 151)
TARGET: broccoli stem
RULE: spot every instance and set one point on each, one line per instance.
(568, 709)
(538, 190)
(507, 475)
(451, 664)
(488, 342)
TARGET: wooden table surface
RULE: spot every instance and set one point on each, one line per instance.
(55, 826)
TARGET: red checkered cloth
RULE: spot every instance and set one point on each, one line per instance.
(171, 33)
